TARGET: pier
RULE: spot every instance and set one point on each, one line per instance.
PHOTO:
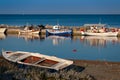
(42, 29)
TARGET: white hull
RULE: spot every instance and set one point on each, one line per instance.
(29, 32)
(36, 59)
(2, 30)
(107, 34)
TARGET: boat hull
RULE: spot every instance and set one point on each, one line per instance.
(36, 59)
(2, 30)
(29, 32)
(107, 34)
(59, 33)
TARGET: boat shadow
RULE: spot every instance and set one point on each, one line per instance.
(73, 67)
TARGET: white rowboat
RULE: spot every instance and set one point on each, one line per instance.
(36, 59)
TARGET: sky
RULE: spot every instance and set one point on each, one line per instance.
(59, 6)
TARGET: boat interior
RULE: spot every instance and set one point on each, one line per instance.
(35, 59)
(39, 61)
(14, 56)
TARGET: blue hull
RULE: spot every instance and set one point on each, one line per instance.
(69, 33)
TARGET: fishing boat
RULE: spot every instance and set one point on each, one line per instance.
(58, 31)
(27, 31)
(2, 30)
(36, 59)
(99, 30)
(106, 34)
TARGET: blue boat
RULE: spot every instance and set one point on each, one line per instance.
(57, 31)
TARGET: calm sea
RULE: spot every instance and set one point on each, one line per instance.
(66, 20)
(77, 47)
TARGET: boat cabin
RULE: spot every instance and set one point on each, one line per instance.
(56, 27)
(96, 27)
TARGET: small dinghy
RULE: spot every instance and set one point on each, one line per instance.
(36, 59)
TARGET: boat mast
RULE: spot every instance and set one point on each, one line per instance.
(99, 20)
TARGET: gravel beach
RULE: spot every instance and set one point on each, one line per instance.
(89, 70)
(101, 70)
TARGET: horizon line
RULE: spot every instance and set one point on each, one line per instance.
(55, 14)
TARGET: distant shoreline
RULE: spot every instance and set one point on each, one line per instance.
(59, 14)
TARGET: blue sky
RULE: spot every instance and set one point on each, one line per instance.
(60, 6)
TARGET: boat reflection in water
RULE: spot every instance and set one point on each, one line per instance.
(58, 39)
(32, 37)
(2, 36)
(99, 41)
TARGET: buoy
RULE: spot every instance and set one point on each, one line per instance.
(74, 50)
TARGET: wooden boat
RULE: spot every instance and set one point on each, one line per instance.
(106, 34)
(2, 30)
(57, 31)
(27, 31)
(99, 30)
(36, 59)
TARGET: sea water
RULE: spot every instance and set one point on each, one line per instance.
(76, 47)
(63, 20)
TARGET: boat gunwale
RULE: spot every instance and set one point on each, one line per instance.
(57, 67)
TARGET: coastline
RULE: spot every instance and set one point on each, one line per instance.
(101, 70)
(92, 70)
(76, 30)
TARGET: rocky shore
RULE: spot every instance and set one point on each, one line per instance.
(80, 70)
(75, 29)
(101, 70)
